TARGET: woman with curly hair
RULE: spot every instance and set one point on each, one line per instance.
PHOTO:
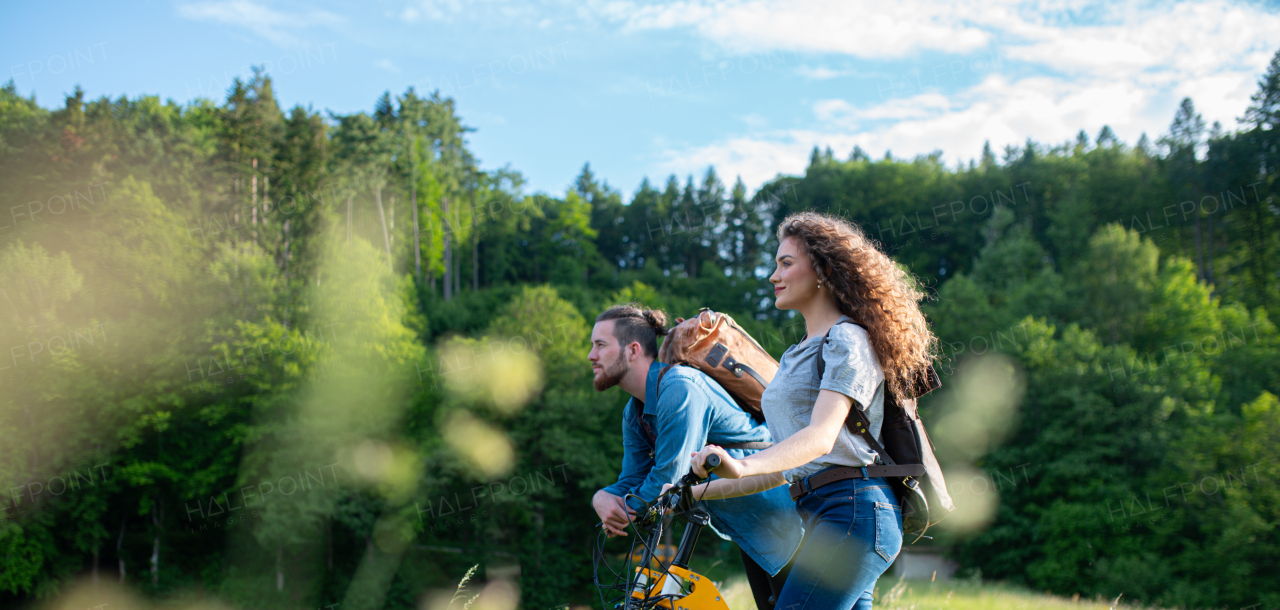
(876, 339)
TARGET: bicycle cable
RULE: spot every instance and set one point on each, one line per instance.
(627, 585)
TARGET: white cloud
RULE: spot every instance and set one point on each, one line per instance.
(756, 160)
(996, 110)
(844, 114)
(1120, 38)
(266, 23)
(819, 72)
(1165, 42)
(386, 64)
(1128, 68)
(861, 28)
(486, 11)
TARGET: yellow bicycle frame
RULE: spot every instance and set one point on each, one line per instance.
(699, 592)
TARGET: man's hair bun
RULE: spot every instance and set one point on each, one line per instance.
(658, 320)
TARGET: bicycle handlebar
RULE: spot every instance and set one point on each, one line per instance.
(712, 462)
(681, 494)
(678, 497)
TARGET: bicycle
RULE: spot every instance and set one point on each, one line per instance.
(675, 586)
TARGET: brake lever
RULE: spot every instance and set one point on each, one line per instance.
(684, 498)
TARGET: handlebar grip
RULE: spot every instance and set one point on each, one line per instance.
(712, 462)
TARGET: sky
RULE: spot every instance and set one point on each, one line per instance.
(650, 89)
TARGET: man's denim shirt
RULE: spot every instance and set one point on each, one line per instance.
(695, 411)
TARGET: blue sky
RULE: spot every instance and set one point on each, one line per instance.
(654, 88)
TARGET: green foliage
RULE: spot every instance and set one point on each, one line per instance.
(203, 301)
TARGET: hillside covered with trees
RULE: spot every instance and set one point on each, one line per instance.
(205, 305)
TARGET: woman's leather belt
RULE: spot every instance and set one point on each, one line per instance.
(840, 473)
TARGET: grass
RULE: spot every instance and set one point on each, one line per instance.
(891, 594)
(737, 593)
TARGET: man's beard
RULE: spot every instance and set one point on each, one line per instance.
(610, 375)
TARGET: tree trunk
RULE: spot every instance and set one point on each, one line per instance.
(386, 237)
(431, 272)
(119, 546)
(1209, 269)
(286, 254)
(448, 251)
(1259, 254)
(253, 206)
(417, 239)
(348, 219)
(328, 534)
(235, 247)
(157, 514)
(288, 290)
(95, 565)
(1199, 250)
(35, 447)
(538, 521)
(279, 567)
(475, 250)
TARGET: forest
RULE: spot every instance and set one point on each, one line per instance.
(206, 305)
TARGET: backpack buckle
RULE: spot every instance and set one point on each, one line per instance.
(733, 365)
(716, 354)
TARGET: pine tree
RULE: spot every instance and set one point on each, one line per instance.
(1185, 137)
(1106, 137)
(1263, 112)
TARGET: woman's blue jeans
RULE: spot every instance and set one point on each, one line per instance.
(852, 532)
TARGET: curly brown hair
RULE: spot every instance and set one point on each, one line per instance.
(870, 288)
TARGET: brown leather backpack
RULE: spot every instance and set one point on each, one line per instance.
(714, 344)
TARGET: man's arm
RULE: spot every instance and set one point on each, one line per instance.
(635, 457)
(683, 418)
(608, 502)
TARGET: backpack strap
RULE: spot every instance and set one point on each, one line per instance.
(645, 428)
(644, 425)
(648, 430)
(661, 374)
(857, 421)
(822, 364)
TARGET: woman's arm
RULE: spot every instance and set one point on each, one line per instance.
(720, 489)
(810, 443)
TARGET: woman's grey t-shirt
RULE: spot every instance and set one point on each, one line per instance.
(851, 369)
